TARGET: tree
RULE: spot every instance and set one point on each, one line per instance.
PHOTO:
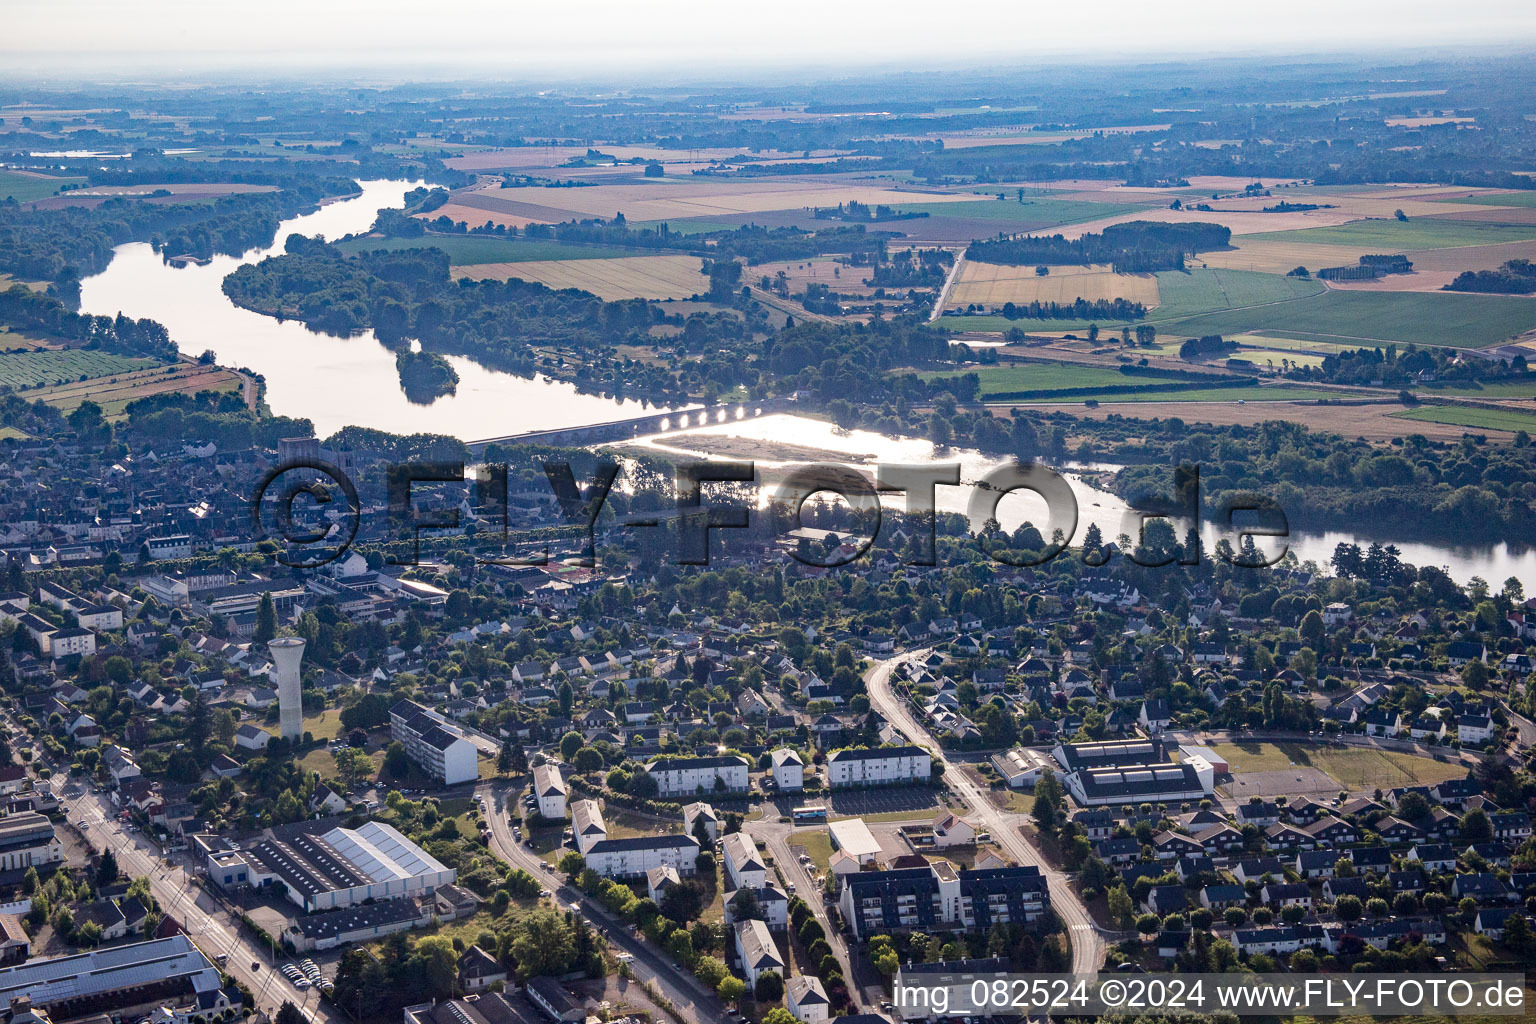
(1120, 907)
(1347, 908)
(569, 744)
(435, 965)
(1148, 924)
(266, 619)
(543, 943)
(1047, 801)
(779, 1015)
(396, 761)
(1476, 827)
(731, 989)
(1517, 933)
(769, 987)
(352, 766)
(289, 1014)
(1312, 630)
(106, 869)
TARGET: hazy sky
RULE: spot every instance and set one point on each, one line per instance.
(582, 37)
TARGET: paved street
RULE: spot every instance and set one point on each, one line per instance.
(213, 929)
(1088, 946)
(690, 997)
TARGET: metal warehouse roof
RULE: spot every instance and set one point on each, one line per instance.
(106, 970)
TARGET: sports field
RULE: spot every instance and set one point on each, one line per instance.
(464, 250)
(991, 285)
(635, 277)
(1354, 768)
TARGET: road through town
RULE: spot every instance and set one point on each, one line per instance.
(692, 1000)
(1088, 946)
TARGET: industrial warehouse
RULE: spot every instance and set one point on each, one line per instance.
(341, 867)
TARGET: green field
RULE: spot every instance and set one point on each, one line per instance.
(1253, 394)
(1352, 767)
(1031, 215)
(1447, 319)
(1397, 235)
(1494, 389)
(1477, 419)
(55, 366)
(1045, 377)
(1181, 294)
(24, 188)
(1525, 199)
(466, 250)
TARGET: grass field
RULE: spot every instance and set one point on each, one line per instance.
(115, 391)
(324, 726)
(816, 843)
(1181, 294)
(37, 367)
(1396, 235)
(1517, 199)
(26, 187)
(1352, 767)
(1466, 416)
(992, 285)
(1254, 394)
(1030, 215)
(636, 277)
(464, 250)
(1044, 377)
(1425, 318)
(1494, 389)
(1203, 291)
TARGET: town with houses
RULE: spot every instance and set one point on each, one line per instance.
(457, 791)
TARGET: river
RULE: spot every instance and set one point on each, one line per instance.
(337, 382)
(332, 381)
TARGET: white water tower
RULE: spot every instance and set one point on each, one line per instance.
(287, 652)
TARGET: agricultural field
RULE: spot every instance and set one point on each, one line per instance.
(43, 367)
(24, 186)
(1387, 235)
(799, 273)
(1517, 199)
(465, 250)
(1202, 291)
(1473, 417)
(115, 391)
(1208, 395)
(1181, 294)
(1046, 377)
(991, 285)
(681, 199)
(635, 277)
(1424, 318)
(1281, 257)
